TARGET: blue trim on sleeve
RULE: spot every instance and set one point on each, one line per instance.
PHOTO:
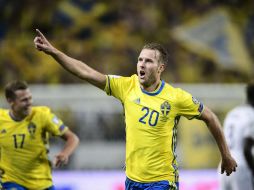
(201, 107)
(156, 92)
(62, 127)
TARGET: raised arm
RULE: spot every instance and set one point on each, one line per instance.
(228, 164)
(76, 67)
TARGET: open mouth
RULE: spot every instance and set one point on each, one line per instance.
(142, 74)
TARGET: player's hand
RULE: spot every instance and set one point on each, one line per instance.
(228, 165)
(42, 44)
(60, 160)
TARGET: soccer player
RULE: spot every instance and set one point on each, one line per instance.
(24, 141)
(152, 110)
(239, 132)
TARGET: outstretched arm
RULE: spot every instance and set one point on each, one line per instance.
(71, 144)
(76, 67)
(228, 164)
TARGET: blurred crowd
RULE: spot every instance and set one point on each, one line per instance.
(108, 35)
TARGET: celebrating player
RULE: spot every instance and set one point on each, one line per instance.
(152, 110)
(24, 141)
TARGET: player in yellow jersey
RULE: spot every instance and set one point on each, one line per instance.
(24, 141)
(152, 109)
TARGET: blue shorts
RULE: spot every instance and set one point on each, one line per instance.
(160, 185)
(10, 186)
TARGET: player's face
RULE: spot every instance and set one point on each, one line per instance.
(21, 105)
(149, 68)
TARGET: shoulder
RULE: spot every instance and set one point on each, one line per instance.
(41, 110)
(242, 110)
(133, 79)
(3, 112)
(242, 114)
(175, 92)
(123, 82)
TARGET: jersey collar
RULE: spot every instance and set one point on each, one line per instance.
(13, 118)
(157, 91)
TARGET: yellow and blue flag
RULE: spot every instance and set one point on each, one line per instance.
(216, 37)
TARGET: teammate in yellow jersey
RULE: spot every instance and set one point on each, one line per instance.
(152, 109)
(24, 141)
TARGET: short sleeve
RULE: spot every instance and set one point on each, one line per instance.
(116, 86)
(187, 105)
(53, 124)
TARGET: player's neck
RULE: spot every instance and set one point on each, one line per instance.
(15, 116)
(152, 87)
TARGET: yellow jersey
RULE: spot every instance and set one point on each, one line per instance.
(151, 126)
(24, 147)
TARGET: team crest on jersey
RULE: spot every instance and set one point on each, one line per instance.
(165, 109)
(31, 129)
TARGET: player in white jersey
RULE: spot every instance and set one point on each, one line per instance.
(239, 132)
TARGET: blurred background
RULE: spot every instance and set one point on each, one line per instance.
(211, 46)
